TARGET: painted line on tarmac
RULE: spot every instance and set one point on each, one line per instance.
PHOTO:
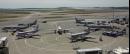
(17, 48)
(108, 44)
(41, 48)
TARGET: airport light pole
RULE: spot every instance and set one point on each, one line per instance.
(113, 12)
(100, 38)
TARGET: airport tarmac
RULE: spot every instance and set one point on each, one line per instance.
(50, 43)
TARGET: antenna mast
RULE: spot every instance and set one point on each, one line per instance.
(113, 12)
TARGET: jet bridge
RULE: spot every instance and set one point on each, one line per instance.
(89, 51)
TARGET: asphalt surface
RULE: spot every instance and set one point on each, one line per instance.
(50, 43)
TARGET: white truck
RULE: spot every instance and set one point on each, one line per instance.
(120, 50)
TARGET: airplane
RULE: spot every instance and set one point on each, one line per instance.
(60, 30)
(79, 20)
(29, 33)
(99, 26)
(78, 36)
(35, 28)
(113, 33)
(12, 28)
(20, 35)
(18, 27)
(28, 24)
(33, 23)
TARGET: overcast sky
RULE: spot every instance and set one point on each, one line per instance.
(61, 3)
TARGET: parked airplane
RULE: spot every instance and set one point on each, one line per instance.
(79, 20)
(25, 35)
(60, 30)
(113, 33)
(78, 36)
(12, 28)
(18, 27)
(28, 34)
